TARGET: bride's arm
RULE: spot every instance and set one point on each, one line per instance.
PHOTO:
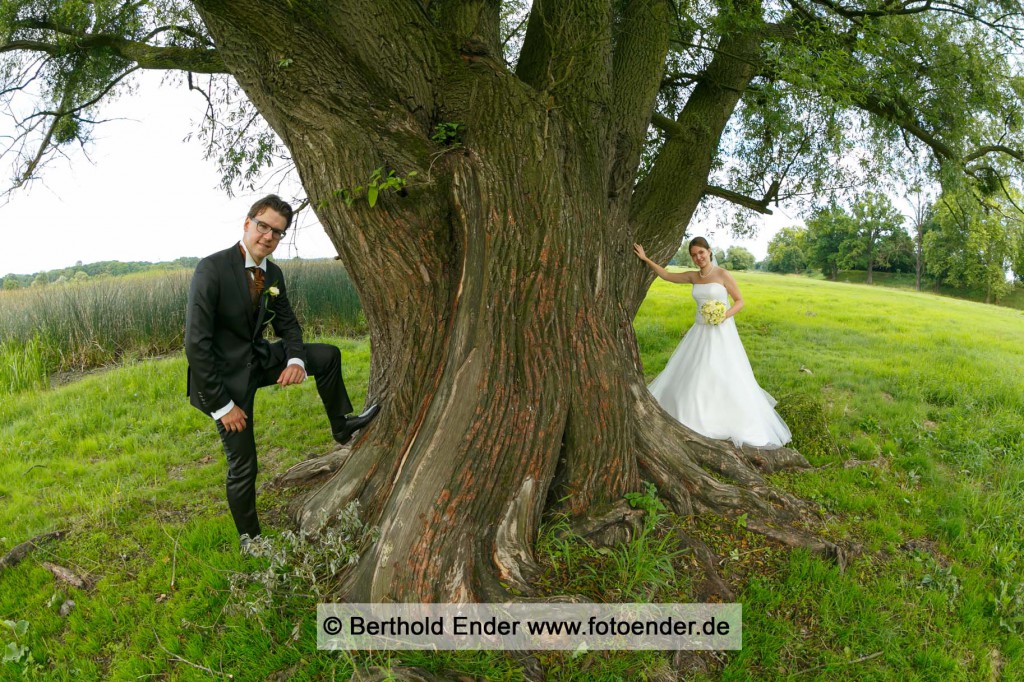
(734, 294)
(677, 277)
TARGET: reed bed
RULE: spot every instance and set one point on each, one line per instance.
(82, 325)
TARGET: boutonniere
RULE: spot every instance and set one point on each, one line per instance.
(270, 292)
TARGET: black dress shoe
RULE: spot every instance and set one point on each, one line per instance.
(353, 424)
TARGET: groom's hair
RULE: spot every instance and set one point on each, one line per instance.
(274, 203)
(699, 241)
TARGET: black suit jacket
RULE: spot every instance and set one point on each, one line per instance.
(224, 340)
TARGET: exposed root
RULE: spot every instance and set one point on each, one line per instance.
(772, 461)
(681, 464)
(795, 537)
(513, 557)
(312, 471)
(351, 467)
(618, 525)
(711, 588)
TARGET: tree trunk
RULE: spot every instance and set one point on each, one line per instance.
(499, 294)
(919, 266)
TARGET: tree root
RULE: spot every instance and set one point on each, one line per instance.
(616, 526)
(711, 588)
(681, 464)
(775, 460)
(312, 471)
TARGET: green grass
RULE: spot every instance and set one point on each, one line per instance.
(923, 391)
(76, 326)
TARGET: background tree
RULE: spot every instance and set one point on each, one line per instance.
(876, 239)
(975, 243)
(739, 258)
(498, 282)
(828, 229)
(786, 251)
(922, 218)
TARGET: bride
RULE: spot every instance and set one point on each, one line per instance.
(708, 384)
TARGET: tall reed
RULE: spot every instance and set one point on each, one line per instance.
(80, 325)
(22, 366)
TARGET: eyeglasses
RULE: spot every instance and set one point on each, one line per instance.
(263, 228)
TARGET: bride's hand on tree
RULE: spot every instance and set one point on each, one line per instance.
(639, 250)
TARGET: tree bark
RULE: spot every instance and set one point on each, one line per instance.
(499, 290)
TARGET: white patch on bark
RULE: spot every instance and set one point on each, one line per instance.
(510, 552)
(455, 583)
(426, 275)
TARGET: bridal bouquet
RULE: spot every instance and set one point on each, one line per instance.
(713, 312)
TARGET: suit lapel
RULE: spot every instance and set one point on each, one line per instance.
(241, 277)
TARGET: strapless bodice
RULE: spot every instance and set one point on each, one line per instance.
(711, 291)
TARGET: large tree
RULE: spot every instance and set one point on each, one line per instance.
(975, 242)
(499, 285)
(828, 229)
(878, 233)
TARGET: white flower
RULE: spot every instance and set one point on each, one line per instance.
(713, 312)
(273, 291)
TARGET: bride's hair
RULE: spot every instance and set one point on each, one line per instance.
(699, 241)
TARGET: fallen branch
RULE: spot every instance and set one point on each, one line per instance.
(829, 665)
(174, 557)
(65, 574)
(176, 657)
(19, 552)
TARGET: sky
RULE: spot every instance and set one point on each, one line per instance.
(143, 193)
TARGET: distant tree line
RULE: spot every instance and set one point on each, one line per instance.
(960, 241)
(80, 272)
(736, 258)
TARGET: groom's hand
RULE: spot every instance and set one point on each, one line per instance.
(292, 374)
(234, 421)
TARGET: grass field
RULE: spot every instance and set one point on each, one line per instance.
(908, 405)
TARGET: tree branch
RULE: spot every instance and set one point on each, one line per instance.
(664, 201)
(85, 105)
(991, 149)
(144, 55)
(638, 65)
(761, 206)
(473, 24)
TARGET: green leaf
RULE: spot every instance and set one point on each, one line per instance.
(21, 628)
(14, 653)
(371, 195)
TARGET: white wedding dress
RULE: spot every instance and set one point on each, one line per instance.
(709, 386)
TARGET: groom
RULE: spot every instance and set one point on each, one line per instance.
(235, 294)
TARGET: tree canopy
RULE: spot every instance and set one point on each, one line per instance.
(902, 87)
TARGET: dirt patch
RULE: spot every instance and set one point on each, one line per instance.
(926, 546)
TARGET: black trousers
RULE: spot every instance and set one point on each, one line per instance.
(323, 362)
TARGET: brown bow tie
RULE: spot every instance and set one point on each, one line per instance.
(255, 284)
